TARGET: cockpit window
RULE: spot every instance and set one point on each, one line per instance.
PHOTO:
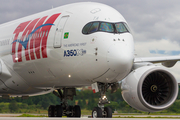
(98, 26)
(107, 27)
(120, 28)
(94, 27)
(86, 28)
(127, 27)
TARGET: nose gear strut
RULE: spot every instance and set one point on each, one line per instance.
(101, 111)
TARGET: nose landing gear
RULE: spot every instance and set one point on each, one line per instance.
(101, 111)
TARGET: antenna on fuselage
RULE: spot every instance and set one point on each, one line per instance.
(52, 7)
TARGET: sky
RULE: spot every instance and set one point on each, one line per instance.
(155, 24)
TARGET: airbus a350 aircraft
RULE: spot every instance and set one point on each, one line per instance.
(79, 45)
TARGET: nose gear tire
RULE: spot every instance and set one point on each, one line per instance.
(108, 112)
(97, 112)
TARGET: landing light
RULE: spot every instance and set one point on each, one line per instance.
(69, 76)
(104, 97)
(16, 58)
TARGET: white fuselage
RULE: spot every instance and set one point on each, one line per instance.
(59, 54)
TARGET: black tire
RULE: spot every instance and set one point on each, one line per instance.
(51, 111)
(70, 108)
(77, 111)
(59, 111)
(108, 111)
(97, 112)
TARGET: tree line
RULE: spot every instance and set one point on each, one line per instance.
(86, 99)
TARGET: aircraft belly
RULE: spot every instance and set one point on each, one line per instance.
(6, 90)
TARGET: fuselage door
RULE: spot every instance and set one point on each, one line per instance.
(59, 32)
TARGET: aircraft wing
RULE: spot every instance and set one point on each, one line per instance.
(167, 61)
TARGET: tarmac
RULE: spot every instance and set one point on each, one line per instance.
(45, 118)
(135, 117)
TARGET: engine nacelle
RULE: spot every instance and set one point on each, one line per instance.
(150, 89)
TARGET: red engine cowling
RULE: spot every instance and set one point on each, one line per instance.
(150, 89)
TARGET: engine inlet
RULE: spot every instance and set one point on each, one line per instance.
(157, 88)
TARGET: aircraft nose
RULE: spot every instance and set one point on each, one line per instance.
(120, 58)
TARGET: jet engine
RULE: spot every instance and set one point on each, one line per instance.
(150, 88)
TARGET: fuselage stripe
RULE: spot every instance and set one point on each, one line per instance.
(26, 34)
(33, 39)
(44, 38)
(19, 29)
(37, 40)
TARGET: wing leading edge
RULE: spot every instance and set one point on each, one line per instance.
(167, 61)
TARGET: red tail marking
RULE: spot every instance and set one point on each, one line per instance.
(19, 29)
(36, 42)
(25, 34)
(47, 29)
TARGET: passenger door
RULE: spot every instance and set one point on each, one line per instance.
(59, 31)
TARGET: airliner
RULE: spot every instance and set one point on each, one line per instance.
(76, 45)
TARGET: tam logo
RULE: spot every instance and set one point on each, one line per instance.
(33, 39)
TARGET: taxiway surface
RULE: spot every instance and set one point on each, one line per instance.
(45, 118)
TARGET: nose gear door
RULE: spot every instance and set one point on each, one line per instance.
(59, 31)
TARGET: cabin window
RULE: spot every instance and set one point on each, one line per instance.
(43, 34)
(46, 33)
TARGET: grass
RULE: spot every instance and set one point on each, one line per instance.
(147, 114)
(43, 113)
(28, 115)
(145, 117)
(86, 112)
